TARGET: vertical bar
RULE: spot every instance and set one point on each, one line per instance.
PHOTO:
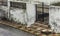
(36, 13)
(43, 11)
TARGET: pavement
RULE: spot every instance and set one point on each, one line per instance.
(9, 31)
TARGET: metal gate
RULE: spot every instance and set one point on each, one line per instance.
(42, 12)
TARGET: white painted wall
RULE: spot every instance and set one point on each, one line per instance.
(54, 18)
(17, 15)
(31, 11)
(21, 15)
(24, 16)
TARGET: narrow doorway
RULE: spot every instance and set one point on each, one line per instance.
(42, 13)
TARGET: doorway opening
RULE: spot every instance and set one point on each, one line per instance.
(42, 13)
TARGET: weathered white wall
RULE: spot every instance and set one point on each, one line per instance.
(17, 15)
(54, 18)
(31, 13)
(5, 9)
(24, 16)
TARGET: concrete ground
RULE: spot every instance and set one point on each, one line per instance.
(9, 31)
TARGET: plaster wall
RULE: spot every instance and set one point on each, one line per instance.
(54, 18)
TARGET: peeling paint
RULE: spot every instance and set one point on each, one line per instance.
(54, 19)
(24, 16)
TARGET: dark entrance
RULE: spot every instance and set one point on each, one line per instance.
(42, 12)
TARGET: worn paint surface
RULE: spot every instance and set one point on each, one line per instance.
(24, 16)
(31, 12)
(4, 9)
(54, 18)
(17, 15)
